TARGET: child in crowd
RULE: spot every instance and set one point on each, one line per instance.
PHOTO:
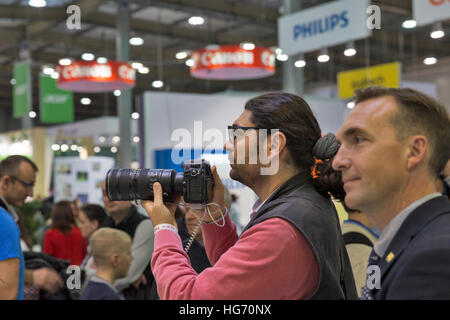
(111, 249)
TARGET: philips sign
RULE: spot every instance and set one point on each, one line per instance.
(322, 26)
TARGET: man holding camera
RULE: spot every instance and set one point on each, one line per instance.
(292, 248)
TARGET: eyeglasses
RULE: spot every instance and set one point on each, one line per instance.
(238, 131)
(29, 185)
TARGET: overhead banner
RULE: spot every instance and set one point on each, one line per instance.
(429, 11)
(56, 104)
(385, 75)
(323, 26)
(21, 90)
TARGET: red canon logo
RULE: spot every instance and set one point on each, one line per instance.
(438, 2)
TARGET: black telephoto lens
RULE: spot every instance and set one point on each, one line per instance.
(129, 184)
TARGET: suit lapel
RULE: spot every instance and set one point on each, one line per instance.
(413, 224)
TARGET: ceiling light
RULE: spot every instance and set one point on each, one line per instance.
(13, 81)
(64, 147)
(65, 61)
(136, 41)
(300, 63)
(429, 61)
(247, 46)
(85, 101)
(278, 51)
(349, 52)
(409, 24)
(32, 114)
(137, 65)
(54, 75)
(74, 147)
(102, 60)
(136, 139)
(196, 20)
(282, 57)
(135, 115)
(47, 70)
(37, 3)
(437, 31)
(144, 70)
(323, 56)
(97, 149)
(351, 105)
(101, 139)
(189, 62)
(157, 84)
(181, 55)
(55, 147)
(116, 139)
(114, 149)
(350, 49)
(87, 56)
(117, 93)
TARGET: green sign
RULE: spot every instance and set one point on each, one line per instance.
(56, 104)
(21, 90)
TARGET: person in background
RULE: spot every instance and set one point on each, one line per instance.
(123, 215)
(64, 240)
(17, 179)
(443, 184)
(393, 146)
(359, 237)
(90, 218)
(12, 266)
(111, 249)
(75, 204)
(234, 212)
(187, 225)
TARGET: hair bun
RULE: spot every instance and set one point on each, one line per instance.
(326, 147)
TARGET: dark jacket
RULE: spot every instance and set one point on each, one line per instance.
(420, 266)
(129, 224)
(315, 216)
(37, 260)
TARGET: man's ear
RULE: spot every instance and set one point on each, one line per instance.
(5, 180)
(277, 141)
(417, 151)
(114, 259)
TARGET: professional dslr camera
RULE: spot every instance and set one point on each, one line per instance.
(195, 184)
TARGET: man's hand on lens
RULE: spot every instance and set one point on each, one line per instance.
(47, 279)
(156, 209)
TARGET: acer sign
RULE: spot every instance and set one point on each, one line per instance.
(429, 11)
(232, 62)
(91, 76)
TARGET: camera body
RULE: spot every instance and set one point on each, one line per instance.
(195, 183)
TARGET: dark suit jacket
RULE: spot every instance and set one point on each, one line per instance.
(420, 267)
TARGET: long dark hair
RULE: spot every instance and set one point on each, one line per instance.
(292, 116)
(62, 216)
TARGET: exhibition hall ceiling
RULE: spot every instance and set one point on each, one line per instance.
(164, 28)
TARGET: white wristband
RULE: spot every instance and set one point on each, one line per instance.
(165, 226)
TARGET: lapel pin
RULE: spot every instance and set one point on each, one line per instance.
(389, 257)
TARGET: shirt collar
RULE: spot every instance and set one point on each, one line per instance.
(392, 228)
(258, 204)
(97, 279)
